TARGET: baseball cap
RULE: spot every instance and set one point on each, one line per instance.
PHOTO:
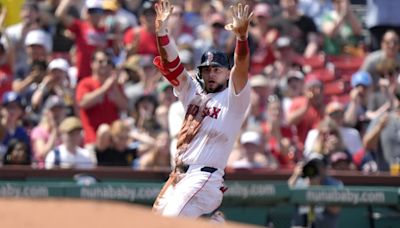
(39, 37)
(94, 4)
(147, 8)
(10, 97)
(339, 156)
(283, 42)
(186, 56)
(361, 78)
(295, 74)
(111, 5)
(252, 137)
(262, 9)
(52, 102)
(162, 86)
(259, 80)
(60, 64)
(214, 58)
(69, 124)
(333, 107)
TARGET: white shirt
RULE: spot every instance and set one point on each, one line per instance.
(350, 136)
(225, 112)
(81, 159)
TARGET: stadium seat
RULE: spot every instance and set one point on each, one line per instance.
(337, 87)
(312, 63)
(323, 74)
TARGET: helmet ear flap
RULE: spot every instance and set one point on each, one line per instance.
(199, 78)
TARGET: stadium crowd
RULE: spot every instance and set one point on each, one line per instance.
(79, 88)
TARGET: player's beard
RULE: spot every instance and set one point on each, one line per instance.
(217, 89)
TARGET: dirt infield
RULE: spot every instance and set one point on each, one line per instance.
(67, 213)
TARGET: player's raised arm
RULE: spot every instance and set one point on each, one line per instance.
(168, 62)
(241, 19)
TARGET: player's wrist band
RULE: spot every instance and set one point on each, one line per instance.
(242, 47)
(163, 40)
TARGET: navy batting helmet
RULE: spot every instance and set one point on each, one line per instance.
(214, 58)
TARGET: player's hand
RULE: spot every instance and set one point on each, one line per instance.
(163, 11)
(241, 20)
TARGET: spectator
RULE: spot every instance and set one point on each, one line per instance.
(122, 15)
(158, 157)
(61, 37)
(264, 37)
(99, 93)
(261, 89)
(17, 33)
(56, 82)
(381, 16)
(213, 35)
(356, 111)
(6, 67)
(166, 97)
(38, 46)
(313, 173)
(315, 9)
(340, 160)
(300, 28)
(89, 32)
(143, 114)
(306, 111)
(291, 86)
(17, 153)
(69, 154)
(373, 141)
(254, 155)
(389, 50)
(45, 136)
(112, 145)
(285, 61)
(142, 40)
(133, 77)
(12, 112)
(328, 140)
(177, 26)
(350, 136)
(342, 29)
(383, 99)
(280, 138)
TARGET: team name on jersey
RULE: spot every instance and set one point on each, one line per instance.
(212, 112)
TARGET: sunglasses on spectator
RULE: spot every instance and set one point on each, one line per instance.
(218, 25)
(95, 11)
(336, 114)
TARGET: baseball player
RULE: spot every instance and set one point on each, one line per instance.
(215, 102)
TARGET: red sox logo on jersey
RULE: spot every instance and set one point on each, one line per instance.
(212, 112)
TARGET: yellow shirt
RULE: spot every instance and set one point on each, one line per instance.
(13, 11)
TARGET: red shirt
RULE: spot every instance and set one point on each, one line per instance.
(6, 79)
(310, 120)
(273, 144)
(87, 40)
(104, 112)
(147, 44)
(262, 57)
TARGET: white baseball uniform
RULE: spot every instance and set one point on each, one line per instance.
(198, 190)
